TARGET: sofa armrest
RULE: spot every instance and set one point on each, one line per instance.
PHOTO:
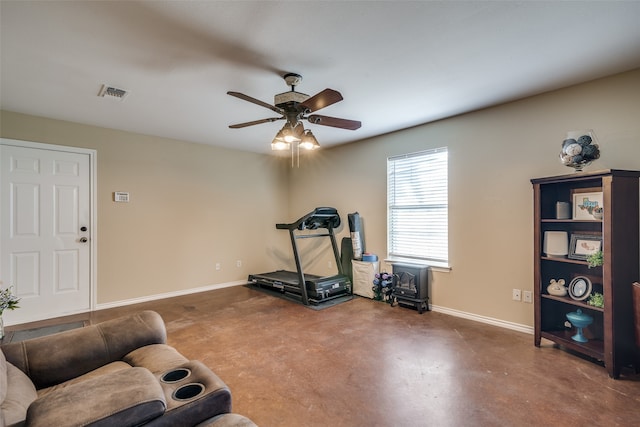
(56, 358)
(195, 395)
(20, 393)
(125, 398)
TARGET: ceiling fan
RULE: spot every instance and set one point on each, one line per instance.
(296, 106)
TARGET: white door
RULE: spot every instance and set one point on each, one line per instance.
(45, 231)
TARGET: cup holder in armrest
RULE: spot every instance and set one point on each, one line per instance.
(175, 375)
(188, 391)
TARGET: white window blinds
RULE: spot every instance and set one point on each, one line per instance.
(417, 201)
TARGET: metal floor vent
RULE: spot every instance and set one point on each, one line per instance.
(113, 92)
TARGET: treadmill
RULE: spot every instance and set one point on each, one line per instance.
(308, 288)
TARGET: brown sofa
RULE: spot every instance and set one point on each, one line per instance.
(115, 373)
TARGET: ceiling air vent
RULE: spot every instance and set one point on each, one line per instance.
(113, 93)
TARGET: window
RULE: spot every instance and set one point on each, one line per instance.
(417, 202)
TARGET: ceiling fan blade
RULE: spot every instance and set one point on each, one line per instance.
(335, 122)
(255, 101)
(255, 122)
(322, 99)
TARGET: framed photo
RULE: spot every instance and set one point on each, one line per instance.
(583, 245)
(587, 204)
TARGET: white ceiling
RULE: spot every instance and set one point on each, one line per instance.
(397, 63)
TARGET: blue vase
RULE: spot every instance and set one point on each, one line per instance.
(579, 320)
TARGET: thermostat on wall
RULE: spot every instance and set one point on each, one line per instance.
(121, 196)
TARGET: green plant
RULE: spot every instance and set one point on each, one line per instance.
(595, 259)
(596, 299)
(8, 301)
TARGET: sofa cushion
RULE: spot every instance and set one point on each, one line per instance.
(128, 397)
(155, 357)
(19, 394)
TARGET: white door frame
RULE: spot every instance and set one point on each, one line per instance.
(93, 213)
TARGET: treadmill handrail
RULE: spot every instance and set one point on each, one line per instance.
(328, 217)
(309, 236)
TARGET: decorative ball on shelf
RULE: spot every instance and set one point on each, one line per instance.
(573, 149)
(591, 151)
(585, 140)
(579, 149)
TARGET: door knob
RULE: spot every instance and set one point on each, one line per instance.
(83, 240)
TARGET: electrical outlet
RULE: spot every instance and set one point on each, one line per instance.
(527, 297)
(217, 266)
(329, 265)
(516, 295)
(239, 263)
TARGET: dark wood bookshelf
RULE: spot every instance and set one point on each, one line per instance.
(611, 335)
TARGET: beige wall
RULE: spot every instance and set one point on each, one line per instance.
(493, 154)
(192, 205)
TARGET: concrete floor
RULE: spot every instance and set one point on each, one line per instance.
(365, 363)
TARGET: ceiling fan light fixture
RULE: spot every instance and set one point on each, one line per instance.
(291, 138)
(291, 133)
(279, 145)
(309, 141)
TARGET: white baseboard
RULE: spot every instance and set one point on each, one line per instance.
(169, 295)
(483, 319)
(444, 310)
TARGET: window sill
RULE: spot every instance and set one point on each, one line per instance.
(434, 266)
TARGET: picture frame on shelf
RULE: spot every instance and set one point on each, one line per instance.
(587, 202)
(583, 245)
(580, 288)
